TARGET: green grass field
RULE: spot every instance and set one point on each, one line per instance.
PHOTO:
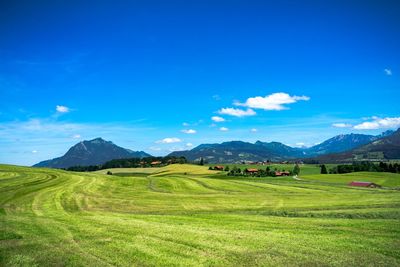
(186, 215)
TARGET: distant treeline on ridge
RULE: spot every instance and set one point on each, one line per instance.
(363, 166)
(131, 163)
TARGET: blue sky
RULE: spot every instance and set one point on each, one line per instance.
(151, 75)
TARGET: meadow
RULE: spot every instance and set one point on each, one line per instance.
(187, 215)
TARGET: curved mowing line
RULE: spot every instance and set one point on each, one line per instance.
(153, 187)
(207, 186)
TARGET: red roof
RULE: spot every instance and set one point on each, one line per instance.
(219, 167)
(282, 173)
(362, 184)
(252, 170)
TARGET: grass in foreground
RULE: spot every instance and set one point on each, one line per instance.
(184, 215)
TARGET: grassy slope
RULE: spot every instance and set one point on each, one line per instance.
(53, 217)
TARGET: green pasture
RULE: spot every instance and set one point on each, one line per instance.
(186, 215)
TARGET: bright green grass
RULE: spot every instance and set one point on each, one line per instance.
(381, 178)
(185, 215)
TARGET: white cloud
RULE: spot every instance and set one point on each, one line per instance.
(379, 123)
(237, 112)
(34, 151)
(341, 125)
(62, 109)
(274, 101)
(189, 144)
(169, 140)
(388, 72)
(172, 149)
(76, 136)
(189, 131)
(217, 119)
(223, 129)
(185, 124)
(254, 130)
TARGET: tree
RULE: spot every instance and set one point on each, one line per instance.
(296, 169)
(109, 173)
(201, 162)
(226, 168)
(323, 169)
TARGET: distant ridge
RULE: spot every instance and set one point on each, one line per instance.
(238, 151)
(386, 147)
(93, 152)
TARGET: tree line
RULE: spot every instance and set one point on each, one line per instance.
(131, 163)
(364, 166)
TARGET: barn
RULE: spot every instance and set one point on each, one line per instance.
(284, 173)
(219, 168)
(251, 170)
(364, 184)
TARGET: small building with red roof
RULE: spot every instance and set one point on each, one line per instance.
(286, 173)
(364, 184)
(251, 170)
(219, 168)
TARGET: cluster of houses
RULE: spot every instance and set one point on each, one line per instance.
(252, 171)
(268, 162)
(156, 163)
(277, 173)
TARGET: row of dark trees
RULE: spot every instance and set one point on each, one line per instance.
(131, 163)
(363, 166)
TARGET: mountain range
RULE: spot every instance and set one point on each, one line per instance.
(93, 152)
(238, 151)
(387, 146)
(341, 148)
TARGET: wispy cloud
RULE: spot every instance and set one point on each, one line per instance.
(189, 131)
(216, 97)
(76, 136)
(217, 119)
(379, 123)
(300, 144)
(254, 130)
(237, 112)
(169, 140)
(223, 129)
(341, 125)
(276, 101)
(388, 72)
(62, 109)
